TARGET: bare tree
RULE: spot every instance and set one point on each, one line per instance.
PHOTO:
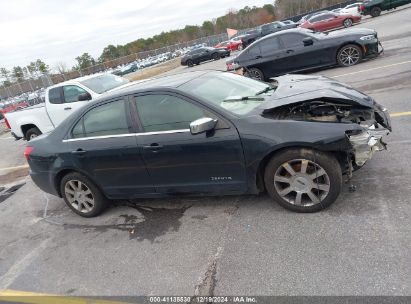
(61, 67)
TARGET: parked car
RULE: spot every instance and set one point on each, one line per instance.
(265, 30)
(330, 21)
(308, 16)
(375, 7)
(298, 50)
(230, 45)
(202, 54)
(352, 9)
(61, 100)
(211, 133)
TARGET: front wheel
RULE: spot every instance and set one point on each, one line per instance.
(190, 63)
(240, 47)
(349, 55)
(347, 22)
(254, 73)
(216, 56)
(303, 180)
(82, 196)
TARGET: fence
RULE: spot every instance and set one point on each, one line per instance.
(45, 81)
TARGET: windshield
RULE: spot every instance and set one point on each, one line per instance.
(104, 83)
(226, 89)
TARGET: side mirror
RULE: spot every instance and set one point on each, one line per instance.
(308, 41)
(84, 96)
(202, 125)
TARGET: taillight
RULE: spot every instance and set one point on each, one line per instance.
(7, 123)
(27, 152)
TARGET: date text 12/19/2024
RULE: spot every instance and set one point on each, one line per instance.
(203, 299)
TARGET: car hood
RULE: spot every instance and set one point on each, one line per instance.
(301, 88)
(351, 31)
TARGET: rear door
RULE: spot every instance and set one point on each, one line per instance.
(103, 144)
(63, 101)
(272, 55)
(181, 163)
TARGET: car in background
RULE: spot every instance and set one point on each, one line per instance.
(230, 45)
(300, 49)
(288, 22)
(265, 30)
(330, 21)
(201, 54)
(61, 100)
(375, 7)
(308, 16)
(353, 9)
(211, 133)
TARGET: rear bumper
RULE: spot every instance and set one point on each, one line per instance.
(44, 181)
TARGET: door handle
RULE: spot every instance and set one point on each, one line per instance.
(258, 57)
(290, 51)
(153, 147)
(79, 152)
(68, 108)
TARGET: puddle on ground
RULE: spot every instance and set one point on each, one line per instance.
(5, 194)
(156, 222)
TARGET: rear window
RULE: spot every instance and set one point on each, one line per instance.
(55, 95)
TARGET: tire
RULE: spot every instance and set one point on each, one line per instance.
(347, 22)
(254, 73)
(190, 63)
(375, 11)
(92, 201)
(349, 55)
(32, 133)
(240, 47)
(327, 177)
(215, 56)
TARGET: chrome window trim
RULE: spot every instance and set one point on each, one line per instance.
(126, 135)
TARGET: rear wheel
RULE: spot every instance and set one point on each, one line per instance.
(347, 22)
(82, 196)
(240, 47)
(190, 63)
(375, 11)
(254, 73)
(349, 55)
(32, 133)
(303, 180)
(216, 56)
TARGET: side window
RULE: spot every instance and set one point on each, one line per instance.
(55, 95)
(254, 51)
(269, 45)
(107, 119)
(292, 40)
(166, 112)
(71, 93)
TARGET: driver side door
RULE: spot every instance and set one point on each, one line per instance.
(179, 162)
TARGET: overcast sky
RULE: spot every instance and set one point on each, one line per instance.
(60, 30)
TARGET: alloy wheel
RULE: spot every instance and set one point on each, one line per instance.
(79, 196)
(349, 56)
(33, 136)
(347, 22)
(302, 182)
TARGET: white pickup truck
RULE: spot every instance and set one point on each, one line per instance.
(61, 100)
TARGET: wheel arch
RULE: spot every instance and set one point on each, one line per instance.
(63, 172)
(348, 43)
(26, 127)
(341, 157)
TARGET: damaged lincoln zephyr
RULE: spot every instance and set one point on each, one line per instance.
(211, 133)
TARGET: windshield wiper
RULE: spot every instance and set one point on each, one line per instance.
(265, 90)
(242, 98)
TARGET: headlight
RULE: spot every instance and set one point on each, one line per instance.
(367, 38)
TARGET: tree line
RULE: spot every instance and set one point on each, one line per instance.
(244, 18)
